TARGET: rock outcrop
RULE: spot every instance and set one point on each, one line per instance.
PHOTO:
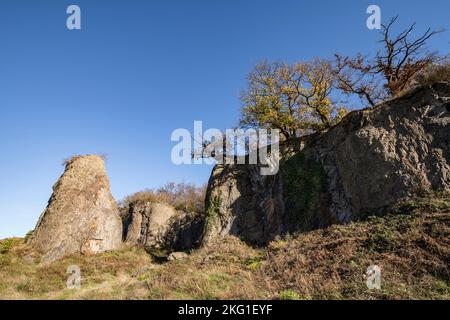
(242, 202)
(370, 160)
(160, 226)
(81, 216)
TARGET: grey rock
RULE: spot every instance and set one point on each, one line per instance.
(242, 202)
(159, 225)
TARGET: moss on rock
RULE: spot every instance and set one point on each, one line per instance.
(304, 182)
(212, 213)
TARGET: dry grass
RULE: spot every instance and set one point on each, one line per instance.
(412, 248)
(413, 251)
(71, 159)
(216, 272)
(434, 74)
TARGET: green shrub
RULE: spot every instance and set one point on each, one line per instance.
(289, 295)
(254, 262)
(7, 244)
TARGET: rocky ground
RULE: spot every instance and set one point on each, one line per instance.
(411, 245)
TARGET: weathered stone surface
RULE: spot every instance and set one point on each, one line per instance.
(81, 216)
(378, 156)
(149, 223)
(159, 225)
(242, 202)
(372, 159)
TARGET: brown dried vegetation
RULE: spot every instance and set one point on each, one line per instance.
(411, 245)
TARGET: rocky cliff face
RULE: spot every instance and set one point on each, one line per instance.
(160, 226)
(370, 160)
(242, 202)
(81, 216)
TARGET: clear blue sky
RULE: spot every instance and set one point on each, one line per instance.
(140, 69)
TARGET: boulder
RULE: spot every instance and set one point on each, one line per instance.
(370, 160)
(159, 225)
(81, 216)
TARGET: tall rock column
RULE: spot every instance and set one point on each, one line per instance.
(81, 216)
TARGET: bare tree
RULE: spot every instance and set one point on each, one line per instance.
(210, 149)
(392, 70)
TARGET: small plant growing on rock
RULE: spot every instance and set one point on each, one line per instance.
(28, 236)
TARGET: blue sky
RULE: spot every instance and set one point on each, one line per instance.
(140, 69)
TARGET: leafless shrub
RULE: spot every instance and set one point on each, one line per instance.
(182, 196)
(392, 70)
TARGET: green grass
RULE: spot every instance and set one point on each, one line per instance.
(289, 295)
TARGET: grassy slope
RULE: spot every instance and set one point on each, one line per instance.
(412, 247)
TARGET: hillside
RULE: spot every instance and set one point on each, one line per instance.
(411, 245)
